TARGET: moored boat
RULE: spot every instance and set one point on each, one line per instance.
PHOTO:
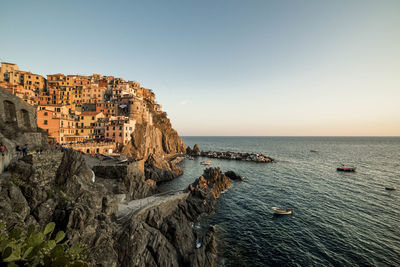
(208, 162)
(280, 211)
(344, 169)
(391, 188)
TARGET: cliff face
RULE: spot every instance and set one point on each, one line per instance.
(158, 138)
(155, 144)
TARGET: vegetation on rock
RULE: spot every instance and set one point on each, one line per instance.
(39, 248)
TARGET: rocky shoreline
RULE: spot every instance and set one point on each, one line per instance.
(228, 155)
(119, 217)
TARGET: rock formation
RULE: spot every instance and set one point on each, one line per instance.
(242, 156)
(160, 170)
(59, 187)
(233, 176)
(158, 138)
(154, 144)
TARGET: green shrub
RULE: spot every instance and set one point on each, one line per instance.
(37, 248)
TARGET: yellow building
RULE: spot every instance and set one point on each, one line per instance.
(10, 73)
(87, 123)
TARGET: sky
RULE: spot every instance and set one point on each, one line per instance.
(228, 68)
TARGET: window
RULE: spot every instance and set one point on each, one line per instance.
(45, 122)
(45, 114)
(120, 134)
(92, 118)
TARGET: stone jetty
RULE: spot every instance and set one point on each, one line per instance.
(242, 156)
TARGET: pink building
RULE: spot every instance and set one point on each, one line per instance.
(120, 130)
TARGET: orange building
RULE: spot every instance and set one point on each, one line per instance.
(60, 126)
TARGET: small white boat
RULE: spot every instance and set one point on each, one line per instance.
(208, 162)
(280, 211)
(314, 150)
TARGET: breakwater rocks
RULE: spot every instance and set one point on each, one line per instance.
(59, 187)
(252, 157)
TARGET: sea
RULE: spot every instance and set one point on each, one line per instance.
(339, 219)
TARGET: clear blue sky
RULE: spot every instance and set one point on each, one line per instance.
(227, 67)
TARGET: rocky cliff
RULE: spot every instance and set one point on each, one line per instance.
(158, 138)
(156, 231)
(156, 144)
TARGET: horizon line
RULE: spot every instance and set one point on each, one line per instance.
(290, 135)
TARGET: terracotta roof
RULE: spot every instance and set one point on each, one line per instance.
(90, 113)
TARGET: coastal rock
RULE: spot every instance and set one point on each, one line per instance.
(125, 179)
(252, 157)
(157, 235)
(233, 176)
(73, 165)
(162, 235)
(158, 138)
(14, 209)
(205, 190)
(160, 170)
(196, 150)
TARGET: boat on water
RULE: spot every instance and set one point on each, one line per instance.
(280, 211)
(391, 188)
(314, 150)
(344, 169)
(208, 162)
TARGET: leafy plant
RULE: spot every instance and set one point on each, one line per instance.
(37, 248)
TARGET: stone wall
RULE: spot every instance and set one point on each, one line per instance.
(17, 127)
(15, 111)
(93, 147)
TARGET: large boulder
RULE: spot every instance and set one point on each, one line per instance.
(196, 150)
(73, 164)
(125, 179)
(160, 170)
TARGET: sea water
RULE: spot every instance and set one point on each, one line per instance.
(339, 219)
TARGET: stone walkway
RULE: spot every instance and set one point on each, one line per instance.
(136, 206)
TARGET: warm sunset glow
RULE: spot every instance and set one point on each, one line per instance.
(230, 67)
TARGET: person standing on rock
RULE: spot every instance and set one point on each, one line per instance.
(25, 150)
(2, 149)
